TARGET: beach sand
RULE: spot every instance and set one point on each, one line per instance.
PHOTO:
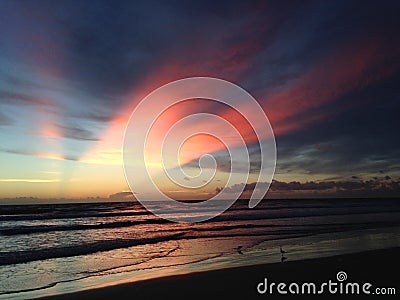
(378, 267)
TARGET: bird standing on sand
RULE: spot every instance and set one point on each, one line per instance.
(283, 258)
(239, 249)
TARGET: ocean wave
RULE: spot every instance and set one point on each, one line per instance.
(75, 215)
(230, 217)
(49, 228)
(8, 258)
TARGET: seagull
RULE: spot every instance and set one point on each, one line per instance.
(282, 251)
(239, 249)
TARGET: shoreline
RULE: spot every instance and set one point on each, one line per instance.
(375, 267)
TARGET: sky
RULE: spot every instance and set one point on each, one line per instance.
(326, 73)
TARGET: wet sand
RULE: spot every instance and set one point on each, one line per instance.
(378, 267)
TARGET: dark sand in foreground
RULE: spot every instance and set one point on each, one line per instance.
(380, 268)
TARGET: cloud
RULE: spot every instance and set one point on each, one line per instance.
(77, 133)
(15, 98)
(373, 187)
(5, 120)
(47, 155)
(52, 130)
(338, 85)
(328, 79)
(243, 187)
(96, 117)
(32, 180)
(223, 160)
(122, 196)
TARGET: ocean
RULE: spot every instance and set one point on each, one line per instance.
(49, 249)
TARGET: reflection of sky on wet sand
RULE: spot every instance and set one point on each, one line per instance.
(189, 256)
(126, 243)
